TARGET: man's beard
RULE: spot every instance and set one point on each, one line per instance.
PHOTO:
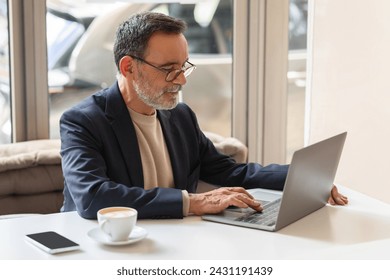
(156, 100)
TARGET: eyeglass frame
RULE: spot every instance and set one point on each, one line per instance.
(178, 71)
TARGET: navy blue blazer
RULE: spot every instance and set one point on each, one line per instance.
(102, 165)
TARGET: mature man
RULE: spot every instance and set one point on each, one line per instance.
(134, 145)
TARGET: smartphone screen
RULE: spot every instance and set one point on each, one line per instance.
(52, 242)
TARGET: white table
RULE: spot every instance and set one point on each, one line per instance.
(360, 230)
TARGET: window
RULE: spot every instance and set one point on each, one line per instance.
(296, 76)
(79, 33)
(5, 97)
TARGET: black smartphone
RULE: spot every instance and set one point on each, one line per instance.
(52, 242)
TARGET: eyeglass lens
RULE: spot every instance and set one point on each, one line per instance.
(175, 73)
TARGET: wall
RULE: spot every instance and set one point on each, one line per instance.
(349, 88)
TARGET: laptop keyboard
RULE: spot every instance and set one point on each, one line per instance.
(266, 217)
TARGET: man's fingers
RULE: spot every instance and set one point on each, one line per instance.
(243, 201)
(334, 191)
(246, 198)
(337, 198)
(341, 200)
(238, 190)
(219, 199)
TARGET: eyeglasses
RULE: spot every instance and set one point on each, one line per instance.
(187, 69)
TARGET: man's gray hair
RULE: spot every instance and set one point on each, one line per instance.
(132, 36)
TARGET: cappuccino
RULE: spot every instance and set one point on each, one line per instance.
(117, 222)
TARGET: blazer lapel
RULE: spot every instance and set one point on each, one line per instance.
(176, 153)
(117, 113)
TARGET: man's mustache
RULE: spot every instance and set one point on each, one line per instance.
(173, 89)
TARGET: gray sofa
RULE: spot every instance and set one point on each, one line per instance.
(31, 179)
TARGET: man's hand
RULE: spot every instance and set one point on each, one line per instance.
(337, 198)
(217, 200)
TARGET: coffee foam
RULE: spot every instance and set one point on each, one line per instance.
(119, 214)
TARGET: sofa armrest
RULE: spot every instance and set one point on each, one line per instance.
(229, 146)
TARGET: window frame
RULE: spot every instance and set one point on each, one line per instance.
(28, 71)
(260, 115)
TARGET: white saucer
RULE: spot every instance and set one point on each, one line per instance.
(137, 234)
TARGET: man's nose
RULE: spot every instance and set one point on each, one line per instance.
(180, 79)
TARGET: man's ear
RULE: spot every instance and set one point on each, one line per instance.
(126, 65)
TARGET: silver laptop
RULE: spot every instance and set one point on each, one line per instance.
(307, 188)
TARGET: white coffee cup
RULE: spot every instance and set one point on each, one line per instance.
(117, 222)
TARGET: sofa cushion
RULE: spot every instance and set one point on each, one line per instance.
(29, 153)
(43, 203)
(229, 146)
(31, 179)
